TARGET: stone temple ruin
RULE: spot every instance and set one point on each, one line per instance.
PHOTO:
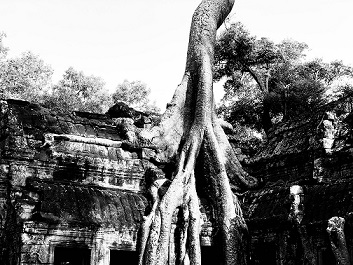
(71, 191)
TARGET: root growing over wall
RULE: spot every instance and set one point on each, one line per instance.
(188, 130)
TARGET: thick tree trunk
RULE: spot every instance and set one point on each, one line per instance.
(335, 230)
(263, 86)
(189, 126)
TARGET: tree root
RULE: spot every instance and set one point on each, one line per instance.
(181, 195)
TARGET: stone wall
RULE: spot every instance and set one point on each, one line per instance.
(316, 155)
(72, 182)
(66, 180)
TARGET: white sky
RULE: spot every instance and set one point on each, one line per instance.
(147, 39)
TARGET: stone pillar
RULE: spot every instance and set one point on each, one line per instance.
(329, 132)
(296, 215)
(327, 136)
(297, 206)
(335, 230)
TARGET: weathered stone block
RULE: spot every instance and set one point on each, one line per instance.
(18, 173)
(112, 153)
(81, 130)
(147, 153)
(122, 154)
(4, 170)
(90, 131)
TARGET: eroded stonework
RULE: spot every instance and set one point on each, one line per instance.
(71, 182)
(313, 156)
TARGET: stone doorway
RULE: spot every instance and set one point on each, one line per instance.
(209, 256)
(72, 256)
(119, 257)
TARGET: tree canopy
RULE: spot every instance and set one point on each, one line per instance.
(28, 77)
(136, 95)
(267, 82)
(77, 91)
(3, 48)
(25, 77)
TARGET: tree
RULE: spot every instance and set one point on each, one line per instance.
(191, 134)
(267, 82)
(308, 86)
(245, 60)
(3, 49)
(76, 91)
(25, 77)
(3, 54)
(135, 94)
(339, 79)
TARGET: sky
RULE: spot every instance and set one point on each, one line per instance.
(147, 39)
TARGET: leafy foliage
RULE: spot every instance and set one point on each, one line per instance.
(280, 85)
(135, 94)
(76, 91)
(24, 77)
(3, 49)
(29, 78)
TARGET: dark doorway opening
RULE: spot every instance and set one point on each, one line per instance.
(72, 256)
(326, 257)
(265, 254)
(119, 257)
(209, 256)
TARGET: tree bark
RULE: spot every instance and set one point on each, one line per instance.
(335, 230)
(263, 86)
(190, 127)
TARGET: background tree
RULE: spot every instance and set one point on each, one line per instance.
(3, 48)
(243, 59)
(339, 79)
(3, 54)
(267, 82)
(28, 77)
(136, 95)
(25, 77)
(76, 91)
